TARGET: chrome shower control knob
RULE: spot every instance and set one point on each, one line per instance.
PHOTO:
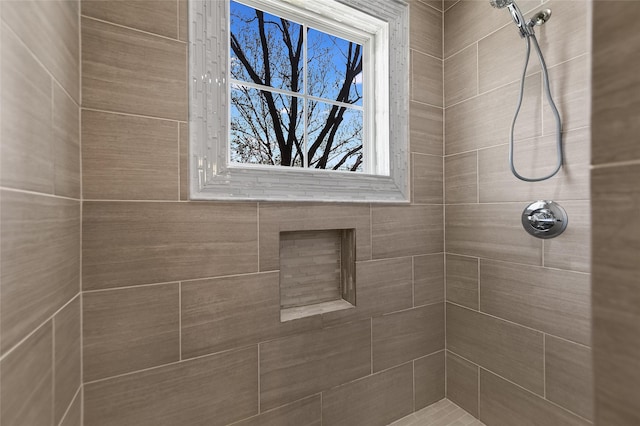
(544, 219)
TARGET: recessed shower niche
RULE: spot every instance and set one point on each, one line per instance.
(317, 272)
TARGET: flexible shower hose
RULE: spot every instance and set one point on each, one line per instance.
(556, 114)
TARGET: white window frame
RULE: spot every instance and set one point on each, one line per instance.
(381, 26)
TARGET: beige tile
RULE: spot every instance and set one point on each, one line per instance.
(449, 3)
(428, 279)
(512, 351)
(381, 286)
(130, 329)
(184, 161)
(306, 412)
(462, 280)
(572, 250)
(50, 30)
(129, 158)
(66, 144)
(67, 357)
(461, 178)
(425, 29)
(26, 394)
(482, 121)
(183, 20)
(550, 300)
(426, 129)
(438, 4)
(616, 322)
(140, 243)
(213, 390)
(305, 364)
(426, 79)
(429, 379)
(406, 230)
(73, 416)
(311, 267)
(501, 58)
(616, 82)
(462, 25)
(491, 231)
(569, 376)
(373, 401)
(502, 403)
(281, 217)
(129, 71)
(407, 335)
(158, 17)
(571, 90)
(427, 179)
(461, 75)
(27, 148)
(40, 243)
(230, 312)
(572, 23)
(462, 383)
(536, 158)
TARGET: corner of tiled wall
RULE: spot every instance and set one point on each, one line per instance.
(40, 214)
(181, 295)
(518, 308)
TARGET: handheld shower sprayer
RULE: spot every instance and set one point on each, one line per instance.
(516, 14)
(527, 33)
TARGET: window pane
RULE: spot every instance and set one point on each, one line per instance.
(334, 67)
(265, 49)
(266, 128)
(335, 137)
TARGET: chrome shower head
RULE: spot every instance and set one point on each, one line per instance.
(499, 4)
(516, 14)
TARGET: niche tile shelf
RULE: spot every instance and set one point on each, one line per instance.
(317, 272)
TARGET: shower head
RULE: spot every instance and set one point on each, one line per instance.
(499, 4)
(516, 14)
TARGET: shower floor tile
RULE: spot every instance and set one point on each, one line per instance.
(442, 413)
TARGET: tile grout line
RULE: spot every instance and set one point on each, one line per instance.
(76, 395)
(509, 83)
(544, 365)
(512, 322)
(137, 30)
(528, 139)
(53, 370)
(259, 384)
(371, 344)
(180, 321)
(37, 328)
(130, 114)
(44, 68)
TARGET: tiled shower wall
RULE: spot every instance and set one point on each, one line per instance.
(181, 301)
(616, 195)
(40, 214)
(518, 320)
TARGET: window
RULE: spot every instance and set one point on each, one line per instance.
(299, 100)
